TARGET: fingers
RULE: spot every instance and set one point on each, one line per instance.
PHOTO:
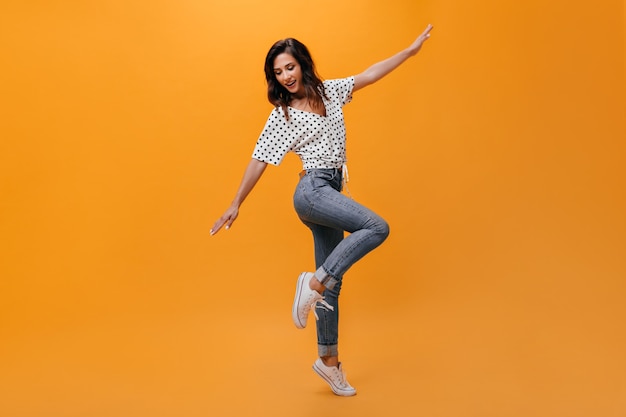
(218, 225)
(426, 32)
(225, 221)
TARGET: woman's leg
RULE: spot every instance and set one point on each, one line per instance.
(327, 212)
(334, 210)
(325, 240)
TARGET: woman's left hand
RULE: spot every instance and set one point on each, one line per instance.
(417, 44)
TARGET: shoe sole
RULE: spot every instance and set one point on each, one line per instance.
(337, 391)
(296, 301)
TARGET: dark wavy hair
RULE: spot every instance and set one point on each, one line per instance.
(313, 85)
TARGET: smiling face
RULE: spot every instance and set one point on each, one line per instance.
(289, 74)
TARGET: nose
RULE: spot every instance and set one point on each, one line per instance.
(285, 76)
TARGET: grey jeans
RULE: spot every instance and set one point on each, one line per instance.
(328, 213)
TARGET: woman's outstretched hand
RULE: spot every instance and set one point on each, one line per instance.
(227, 219)
(384, 67)
(417, 44)
(254, 170)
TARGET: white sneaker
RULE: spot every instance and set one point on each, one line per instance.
(305, 300)
(335, 377)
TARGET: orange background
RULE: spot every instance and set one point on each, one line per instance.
(497, 156)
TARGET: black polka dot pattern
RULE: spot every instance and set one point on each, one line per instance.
(319, 141)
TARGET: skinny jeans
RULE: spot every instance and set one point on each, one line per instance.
(328, 213)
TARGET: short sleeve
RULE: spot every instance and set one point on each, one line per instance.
(275, 139)
(340, 89)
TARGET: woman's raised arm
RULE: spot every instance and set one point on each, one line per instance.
(250, 177)
(382, 68)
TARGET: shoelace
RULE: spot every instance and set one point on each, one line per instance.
(342, 378)
(324, 306)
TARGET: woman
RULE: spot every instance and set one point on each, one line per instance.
(308, 120)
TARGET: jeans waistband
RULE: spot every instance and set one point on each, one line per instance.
(306, 171)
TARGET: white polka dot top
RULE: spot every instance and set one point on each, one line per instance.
(319, 141)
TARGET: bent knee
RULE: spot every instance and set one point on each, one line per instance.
(382, 229)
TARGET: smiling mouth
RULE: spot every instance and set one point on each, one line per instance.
(291, 84)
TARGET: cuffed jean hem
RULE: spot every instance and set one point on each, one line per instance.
(325, 278)
(327, 350)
